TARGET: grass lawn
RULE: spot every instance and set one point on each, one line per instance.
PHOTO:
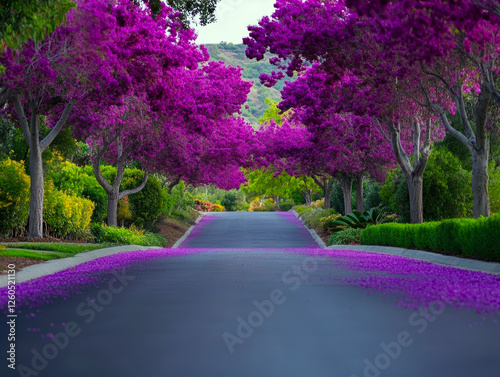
(28, 254)
(69, 249)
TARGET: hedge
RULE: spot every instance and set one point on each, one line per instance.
(474, 238)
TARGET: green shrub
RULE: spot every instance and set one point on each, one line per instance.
(188, 217)
(494, 187)
(124, 236)
(147, 205)
(469, 237)
(313, 219)
(14, 197)
(327, 222)
(347, 236)
(65, 214)
(287, 205)
(233, 200)
(447, 191)
(81, 181)
(302, 209)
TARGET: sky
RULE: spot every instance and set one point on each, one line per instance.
(233, 17)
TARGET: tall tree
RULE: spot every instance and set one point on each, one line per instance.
(47, 78)
(363, 75)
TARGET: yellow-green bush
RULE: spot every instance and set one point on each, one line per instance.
(124, 236)
(65, 213)
(14, 197)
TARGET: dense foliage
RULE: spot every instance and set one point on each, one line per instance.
(474, 238)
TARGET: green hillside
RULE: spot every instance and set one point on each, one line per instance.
(235, 55)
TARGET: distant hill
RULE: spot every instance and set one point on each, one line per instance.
(234, 54)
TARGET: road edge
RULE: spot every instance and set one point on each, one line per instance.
(312, 232)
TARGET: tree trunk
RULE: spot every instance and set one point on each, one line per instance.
(347, 191)
(36, 186)
(31, 133)
(328, 191)
(476, 141)
(113, 198)
(277, 201)
(308, 197)
(413, 174)
(359, 193)
(415, 188)
(480, 197)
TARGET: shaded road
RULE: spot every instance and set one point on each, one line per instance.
(179, 317)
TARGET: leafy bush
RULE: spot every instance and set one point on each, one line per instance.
(328, 222)
(188, 217)
(123, 212)
(313, 218)
(124, 236)
(233, 200)
(260, 209)
(287, 205)
(207, 206)
(347, 236)
(371, 197)
(494, 187)
(302, 209)
(81, 181)
(320, 203)
(447, 191)
(14, 197)
(65, 214)
(270, 205)
(356, 219)
(147, 205)
(182, 199)
(475, 238)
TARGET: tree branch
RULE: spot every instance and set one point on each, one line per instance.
(99, 177)
(57, 128)
(452, 131)
(137, 189)
(22, 119)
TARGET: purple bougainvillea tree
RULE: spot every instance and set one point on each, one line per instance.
(456, 49)
(206, 140)
(363, 77)
(46, 79)
(151, 54)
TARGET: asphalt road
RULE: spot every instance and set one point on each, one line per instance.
(247, 308)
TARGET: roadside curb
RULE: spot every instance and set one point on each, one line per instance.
(36, 271)
(188, 232)
(50, 267)
(428, 256)
(313, 233)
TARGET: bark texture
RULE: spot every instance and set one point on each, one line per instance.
(31, 132)
(476, 140)
(359, 193)
(413, 173)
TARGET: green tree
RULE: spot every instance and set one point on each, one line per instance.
(446, 193)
